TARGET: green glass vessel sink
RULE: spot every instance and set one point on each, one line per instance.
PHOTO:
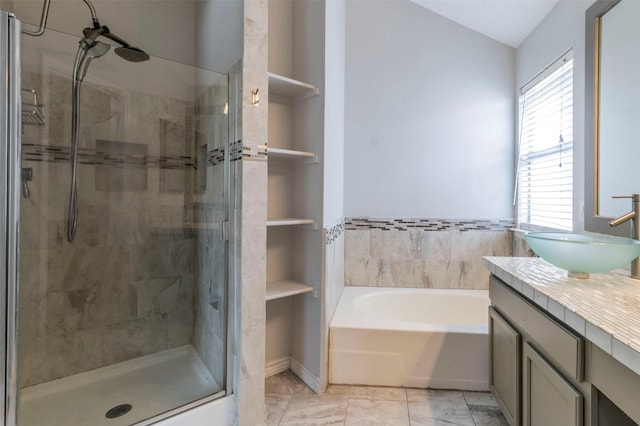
(583, 253)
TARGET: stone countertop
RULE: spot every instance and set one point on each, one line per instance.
(605, 308)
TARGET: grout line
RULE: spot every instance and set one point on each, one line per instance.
(408, 411)
(284, 410)
(469, 409)
(347, 409)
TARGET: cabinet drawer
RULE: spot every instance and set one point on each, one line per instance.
(559, 344)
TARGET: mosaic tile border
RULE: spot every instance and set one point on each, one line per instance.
(334, 231)
(258, 153)
(216, 156)
(427, 224)
(56, 153)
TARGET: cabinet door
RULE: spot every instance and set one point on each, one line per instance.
(547, 398)
(504, 366)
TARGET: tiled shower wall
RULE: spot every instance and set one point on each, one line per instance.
(427, 253)
(125, 287)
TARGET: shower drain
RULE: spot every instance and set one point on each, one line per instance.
(118, 410)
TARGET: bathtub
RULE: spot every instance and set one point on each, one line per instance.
(423, 338)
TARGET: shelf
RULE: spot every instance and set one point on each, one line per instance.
(291, 155)
(289, 221)
(279, 289)
(289, 91)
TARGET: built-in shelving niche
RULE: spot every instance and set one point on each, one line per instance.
(289, 91)
(286, 288)
(280, 154)
(291, 221)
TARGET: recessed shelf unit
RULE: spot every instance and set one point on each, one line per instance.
(286, 90)
(286, 288)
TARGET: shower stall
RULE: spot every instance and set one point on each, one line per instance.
(115, 231)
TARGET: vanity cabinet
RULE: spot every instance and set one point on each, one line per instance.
(504, 368)
(536, 364)
(547, 397)
(575, 340)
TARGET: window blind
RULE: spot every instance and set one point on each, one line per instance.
(545, 153)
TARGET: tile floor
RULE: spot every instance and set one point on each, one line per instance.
(290, 402)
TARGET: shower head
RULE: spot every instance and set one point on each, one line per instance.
(125, 51)
(132, 54)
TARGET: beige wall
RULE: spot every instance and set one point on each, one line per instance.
(6, 5)
(166, 30)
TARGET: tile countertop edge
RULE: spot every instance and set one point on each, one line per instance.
(517, 272)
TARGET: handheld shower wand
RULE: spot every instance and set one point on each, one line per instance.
(89, 49)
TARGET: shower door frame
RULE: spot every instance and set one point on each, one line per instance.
(10, 115)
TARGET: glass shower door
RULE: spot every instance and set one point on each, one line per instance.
(9, 204)
(129, 320)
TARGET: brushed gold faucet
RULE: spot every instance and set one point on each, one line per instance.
(634, 217)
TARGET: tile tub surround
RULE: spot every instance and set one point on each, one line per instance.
(333, 253)
(605, 309)
(427, 253)
(334, 247)
(290, 402)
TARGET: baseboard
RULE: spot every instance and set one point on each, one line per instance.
(280, 365)
(305, 375)
(277, 366)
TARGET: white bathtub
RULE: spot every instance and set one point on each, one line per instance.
(424, 338)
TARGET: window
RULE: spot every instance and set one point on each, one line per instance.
(544, 182)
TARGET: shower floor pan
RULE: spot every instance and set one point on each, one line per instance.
(152, 385)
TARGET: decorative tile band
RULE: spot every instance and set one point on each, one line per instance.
(216, 155)
(386, 224)
(55, 153)
(258, 153)
(334, 231)
(236, 150)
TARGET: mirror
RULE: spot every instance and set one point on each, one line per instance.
(612, 119)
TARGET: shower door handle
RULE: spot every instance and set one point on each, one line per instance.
(26, 176)
(224, 230)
